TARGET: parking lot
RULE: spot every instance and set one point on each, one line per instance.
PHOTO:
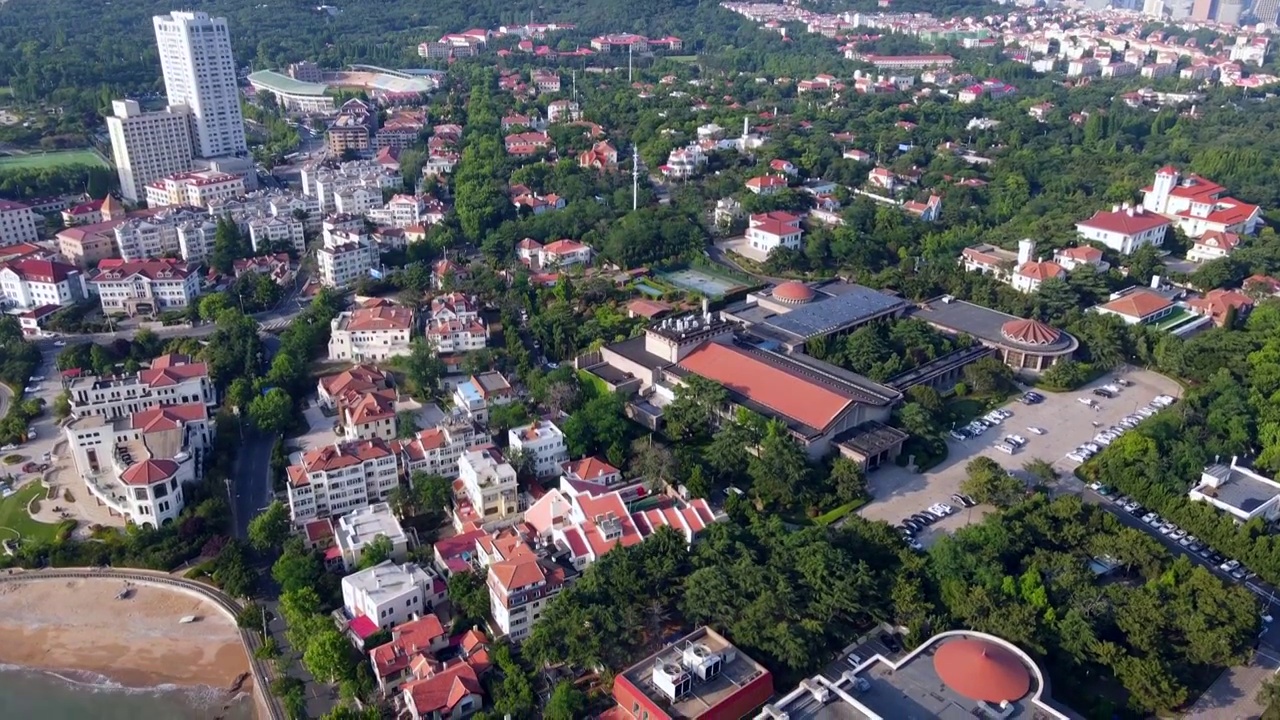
(1066, 422)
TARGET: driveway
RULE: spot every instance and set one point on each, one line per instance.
(898, 493)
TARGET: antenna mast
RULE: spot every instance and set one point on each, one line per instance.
(635, 176)
(630, 47)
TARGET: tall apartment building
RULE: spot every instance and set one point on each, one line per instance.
(32, 283)
(436, 451)
(335, 479)
(323, 181)
(341, 264)
(352, 128)
(17, 223)
(171, 380)
(148, 145)
(199, 72)
(488, 485)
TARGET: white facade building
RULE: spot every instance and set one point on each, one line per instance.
(371, 333)
(1239, 491)
(544, 444)
(173, 231)
(267, 233)
(342, 264)
(1124, 229)
(171, 380)
(335, 479)
(767, 231)
(358, 529)
(147, 287)
(488, 483)
(194, 189)
(147, 146)
(137, 464)
(322, 182)
(389, 594)
(17, 223)
(436, 451)
(200, 72)
(28, 284)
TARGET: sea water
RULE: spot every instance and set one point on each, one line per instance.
(27, 693)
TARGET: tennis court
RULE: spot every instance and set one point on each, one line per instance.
(698, 281)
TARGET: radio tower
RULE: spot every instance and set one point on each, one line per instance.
(635, 177)
(629, 48)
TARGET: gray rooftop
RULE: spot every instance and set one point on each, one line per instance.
(277, 82)
(839, 312)
(1239, 489)
(985, 324)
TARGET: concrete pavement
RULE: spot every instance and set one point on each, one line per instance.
(251, 483)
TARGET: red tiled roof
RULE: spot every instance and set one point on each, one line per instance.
(1138, 304)
(319, 530)
(766, 181)
(517, 572)
(330, 457)
(982, 670)
(1083, 253)
(783, 392)
(371, 407)
(148, 472)
(168, 417)
(589, 468)
(1041, 270)
(648, 308)
(1123, 222)
(43, 271)
(1220, 240)
(363, 627)
(563, 247)
(359, 378)
(1217, 304)
(443, 691)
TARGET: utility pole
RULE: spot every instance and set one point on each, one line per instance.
(635, 176)
(575, 85)
(629, 49)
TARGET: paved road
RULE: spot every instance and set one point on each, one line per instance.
(251, 482)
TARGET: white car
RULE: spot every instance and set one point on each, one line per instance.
(1035, 430)
(1004, 414)
(1004, 448)
(35, 379)
(1076, 457)
(60, 343)
(1146, 412)
(1086, 401)
(1229, 565)
(993, 418)
(1104, 440)
(1018, 439)
(1091, 447)
(942, 509)
(1111, 388)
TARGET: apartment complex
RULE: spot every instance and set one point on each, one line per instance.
(342, 263)
(200, 72)
(486, 490)
(180, 231)
(30, 283)
(200, 189)
(147, 146)
(374, 332)
(360, 379)
(137, 464)
(522, 582)
(436, 451)
(352, 128)
(336, 478)
(476, 395)
(322, 181)
(543, 443)
(17, 223)
(456, 325)
(171, 380)
(147, 287)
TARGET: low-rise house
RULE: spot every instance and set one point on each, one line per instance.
(368, 415)
(278, 267)
(1221, 306)
(422, 637)
(359, 379)
(358, 529)
(543, 443)
(767, 231)
(1198, 205)
(563, 111)
(592, 470)
(1238, 491)
(1261, 286)
(387, 595)
(476, 395)
(1213, 245)
(1075, 257)
(375, 332)
(684, 163)
(485, 491)
(1141, 306)
(766, 185)
(1124, 228)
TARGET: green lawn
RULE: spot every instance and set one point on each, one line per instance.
(683, 58)
(51, 159)
(13, 514)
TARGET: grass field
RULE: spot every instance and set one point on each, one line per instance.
(51, 159)
(13, 515)
(687, 59)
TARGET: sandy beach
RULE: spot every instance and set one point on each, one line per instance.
(137, 642)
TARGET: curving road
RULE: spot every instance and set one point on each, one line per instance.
(221, 600)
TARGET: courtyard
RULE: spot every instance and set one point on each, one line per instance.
(898, 493)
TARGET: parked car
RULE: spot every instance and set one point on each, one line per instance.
(1148, 518)
(1087, 401)
(890, 643)
(1111, 388)
(31, 389)
(35, 379)
(1100, 392)
(1123, 382)
(59, 343)
(1092, 447)
(1004, 448)
(959, 435)
(963, 500)
(942, 509)
(1035, 430)
(1155, 521)
(1179, 535)
(1144, 412)
(1229, 565)
(1105, 491)
(924, 519)
(914, 544)
(1004, 414)
(853, 660)
(1017, 440)
(7, 448)
(1167, 528)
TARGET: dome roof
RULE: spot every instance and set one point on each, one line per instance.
(982, 670)
(793, 291)
(1030, 332)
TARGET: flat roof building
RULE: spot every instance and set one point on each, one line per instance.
(953, 675)
(699, 676)
(358, 529)
(1025, 345)
(1237, 490)
(293, 94)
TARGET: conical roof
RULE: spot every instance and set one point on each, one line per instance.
(982, 670)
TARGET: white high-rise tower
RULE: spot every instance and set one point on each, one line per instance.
(200, 73)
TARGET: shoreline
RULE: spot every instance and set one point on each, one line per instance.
(77, 627)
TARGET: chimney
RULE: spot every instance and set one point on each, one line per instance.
(1155, 282)
(706, 308)
(1115, 208)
